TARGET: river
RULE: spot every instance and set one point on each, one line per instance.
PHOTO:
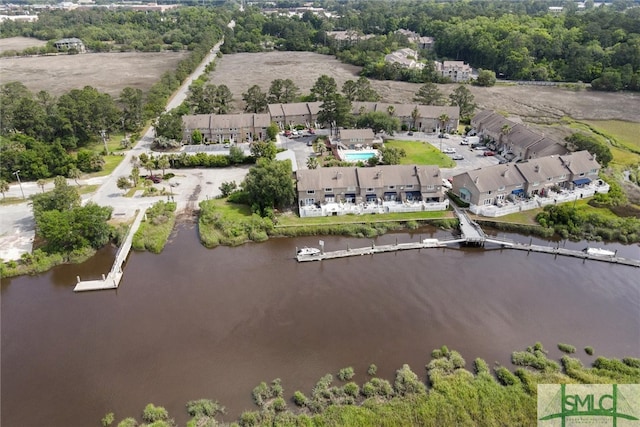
(195, 323)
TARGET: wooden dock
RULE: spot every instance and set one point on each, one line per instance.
(112, 279)
(472, 234)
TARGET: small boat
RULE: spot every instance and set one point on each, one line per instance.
(308, 251)
(599, 251)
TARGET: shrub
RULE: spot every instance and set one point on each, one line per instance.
(373, 369)
(567, 348)
(351, 389)
(279, 404)
(154, 413)
(346, 374)
(299, 399)
(407, 382)
(505, 376)
(589, 350)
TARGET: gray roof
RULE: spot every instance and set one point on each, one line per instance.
(494, 177)
(521, 136)
(541, 169)
(349, 134)
(275, 110)
(226, 121)
(295, 109)
(491, 121)
(580, 162)
(338, 177)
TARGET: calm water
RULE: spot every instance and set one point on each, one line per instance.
(195, 323)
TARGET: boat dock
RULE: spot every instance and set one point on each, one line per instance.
(112, 279)
(471, 234)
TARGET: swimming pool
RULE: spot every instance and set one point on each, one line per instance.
(357, 156)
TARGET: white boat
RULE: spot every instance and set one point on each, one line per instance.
(309, 251)
(599, 251)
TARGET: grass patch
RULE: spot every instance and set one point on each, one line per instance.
(110, 163)
(620, 136)
(421, 153)
(295, 221)
(7, 201)
(154, 231)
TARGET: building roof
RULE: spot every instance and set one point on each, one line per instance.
(275, 110)
(580, 162)
(492, 121)
(71, 40)
(295, 109)
(541, 169)
(548, 147)
(521, 136)
(337, 177)
(226, 121)
(349, 134)
(494, 177)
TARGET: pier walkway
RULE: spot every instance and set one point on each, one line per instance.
(112, 279)
(471, 233)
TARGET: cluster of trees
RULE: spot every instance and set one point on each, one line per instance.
(517, 40)
(64, 225)
(103, 29)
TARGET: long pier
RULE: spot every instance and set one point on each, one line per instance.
(472, 234)
(112, 279)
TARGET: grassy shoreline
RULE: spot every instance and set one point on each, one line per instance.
(453, 393)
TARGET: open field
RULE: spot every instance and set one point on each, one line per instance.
(538, 104)
(107, 72)
(19, 43)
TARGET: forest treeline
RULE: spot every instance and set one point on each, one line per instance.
(516, 40)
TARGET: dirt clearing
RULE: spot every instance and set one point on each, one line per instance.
(19, 43)
(107, 72)
(539, 104)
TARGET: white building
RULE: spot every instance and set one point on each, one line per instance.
(457, 71)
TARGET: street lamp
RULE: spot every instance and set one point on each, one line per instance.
(19, 182)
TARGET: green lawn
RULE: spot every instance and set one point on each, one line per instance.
(294, 220)
(421, 153)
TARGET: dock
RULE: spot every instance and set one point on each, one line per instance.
(471, 234)
(112, 279)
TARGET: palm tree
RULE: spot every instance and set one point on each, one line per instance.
(415, 115)
(4, 187)
(391, 110)
(312, 163)
(41, 183)
(443, 120)
(74, 173)
(149, 166)
(163, 163)
(135, 175)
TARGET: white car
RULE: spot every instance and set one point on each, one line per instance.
(449, 150)
(446, 183)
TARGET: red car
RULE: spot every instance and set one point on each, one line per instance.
(489, 153)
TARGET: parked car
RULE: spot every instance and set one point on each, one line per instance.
(226, 145)
(312, 131)
(443, 135)
(488, 153)
(287, 133)
(457, 157)
(449, 150)
(446, 183)
(410, 133)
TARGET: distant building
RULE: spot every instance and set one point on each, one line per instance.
(69, 44)
(234, 128)
(19, 18)
(456, 71)
(421, 42)
(406, 57)
(347, 38)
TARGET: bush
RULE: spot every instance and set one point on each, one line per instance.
(346, 374)
(154, 413)
(299, 399)
(506, 377)
(589, 350)
(567, 348)
(373, 369)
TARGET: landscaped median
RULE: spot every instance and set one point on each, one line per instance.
(225, 223)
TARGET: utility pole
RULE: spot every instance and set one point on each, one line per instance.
(103, 134)
(19, 182)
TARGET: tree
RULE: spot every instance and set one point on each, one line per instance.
(272, 131)
(269, 185)
(312, 163)
(223, 100)
(74, 174)
(123, 183)
(4, 187)
(429, 94)
(89, 160)
(586, 142)
(463, 98)
(131, 101)
(264, 150)
(149, 165)
(282, 91)
(378, 121)
(227, 188)
(61, 198)
(255, 99)
(324, 88)
(163, 163)
(392, 155)
(364, 91)
(486, 78)
(349, 89)
(169, 125)
(153, 413)
(443, 120)
(41, 183)
(236, 155)
(335, 109)
(196, 137)
(135, 175)
(415, 115)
